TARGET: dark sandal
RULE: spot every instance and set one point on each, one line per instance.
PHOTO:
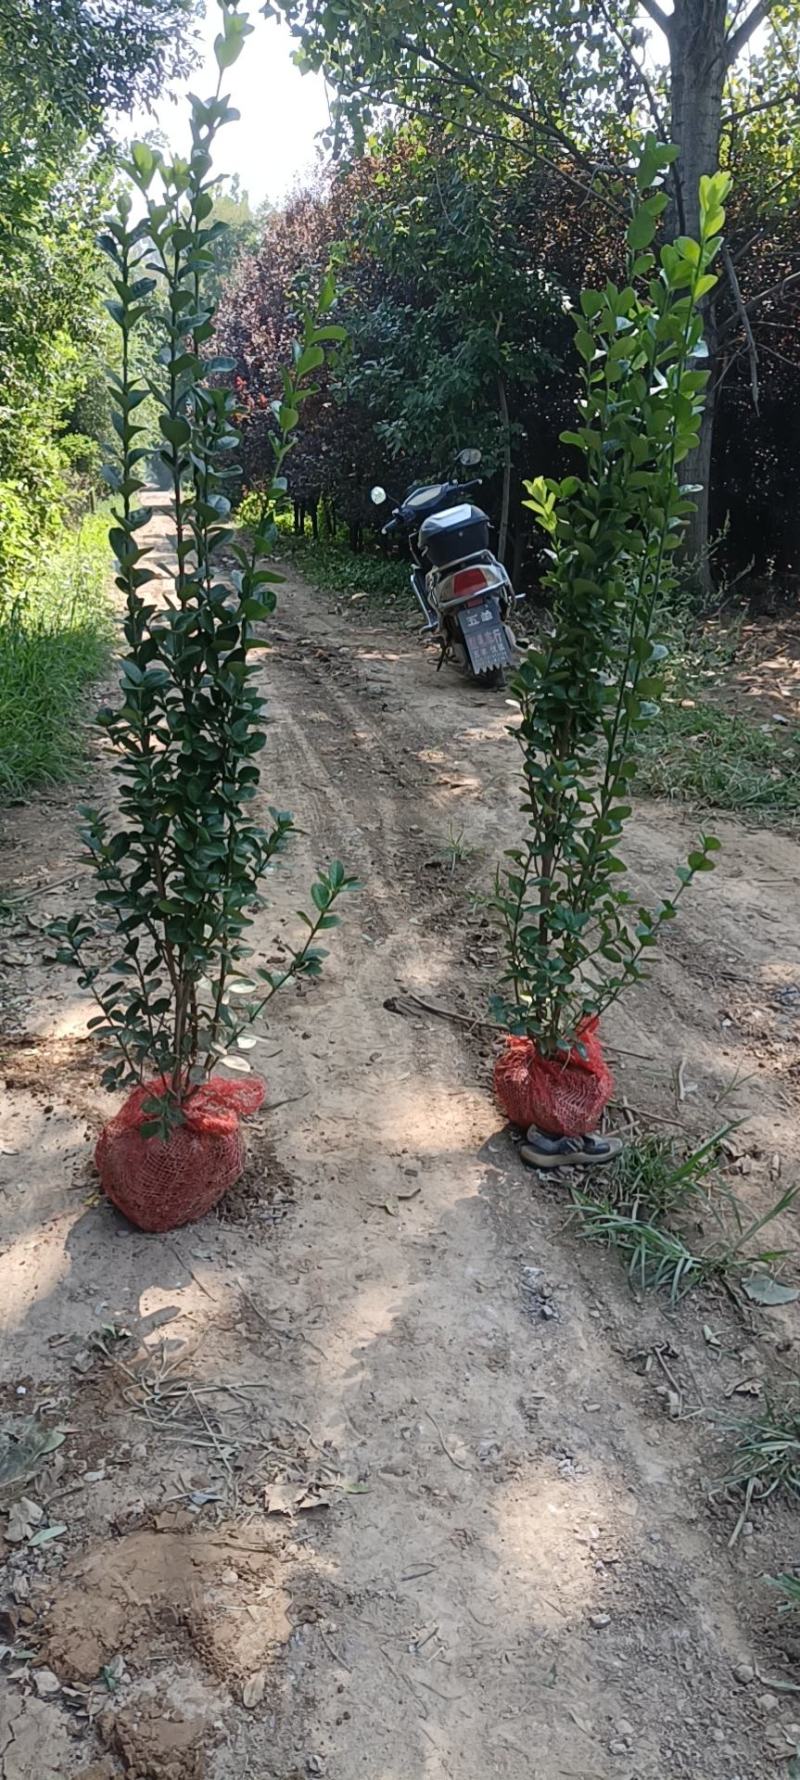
(540, 1151)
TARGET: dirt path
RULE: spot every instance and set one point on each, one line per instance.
(501, 1559)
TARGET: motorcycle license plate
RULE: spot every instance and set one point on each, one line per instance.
(485, 636)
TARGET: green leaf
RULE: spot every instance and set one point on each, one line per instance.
(641, 229)
(230, 43)
(327, 295)
(175, 429)
(310, 360)
(144, 162)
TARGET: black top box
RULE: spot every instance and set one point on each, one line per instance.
(450, 536)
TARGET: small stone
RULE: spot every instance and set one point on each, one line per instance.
(625, 1729)
(618, 1747)
(253, 1690)
(315, 1764)
(600, 1621)
(230, 1577)
(46, 1683)
(768, 1702)
(717, 1735)
(744, 1673)
(139, 1452)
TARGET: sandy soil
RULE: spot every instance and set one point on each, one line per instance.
(391, 1476)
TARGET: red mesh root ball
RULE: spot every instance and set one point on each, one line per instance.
(562, 1096)
(161, 1185)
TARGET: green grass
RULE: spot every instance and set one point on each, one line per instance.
(790, 1589)
(54, 641)
(701, 752)
(765, 1460)
(362, 578)
(650, 1187)
(711, 756)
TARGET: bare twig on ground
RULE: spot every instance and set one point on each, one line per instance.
(410, 1004)
(445, 1448)
(190, 1270)
(648, 1117)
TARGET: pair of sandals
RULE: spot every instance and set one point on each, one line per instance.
(541, 1151)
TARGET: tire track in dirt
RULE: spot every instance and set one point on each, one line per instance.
(530, 1584)
(619, 1463)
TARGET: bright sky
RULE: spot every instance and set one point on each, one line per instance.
(282, 110)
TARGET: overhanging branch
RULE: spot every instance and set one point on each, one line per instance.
(658, 15)
(745, 321)
(744, 31)
(527, 115)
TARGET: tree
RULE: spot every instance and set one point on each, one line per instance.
(454, 327)
(238, 236)
(65, 67)
(78, 61)
(513, 73)
(464, 315)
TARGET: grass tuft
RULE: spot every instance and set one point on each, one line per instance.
(54, 642)
(649, 1187)
(766, 1462)
(790, 1589)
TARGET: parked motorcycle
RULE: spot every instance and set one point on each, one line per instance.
(463, 591)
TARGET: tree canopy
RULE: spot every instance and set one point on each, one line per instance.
(570, 85)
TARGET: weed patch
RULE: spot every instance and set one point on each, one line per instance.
(54, 640)
(378, 582)
(697, 751)
(766, 1463)
(648, 1194)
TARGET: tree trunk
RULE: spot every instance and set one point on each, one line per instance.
(698, 66)
(505, 503)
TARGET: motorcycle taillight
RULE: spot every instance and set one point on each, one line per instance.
(470, 581)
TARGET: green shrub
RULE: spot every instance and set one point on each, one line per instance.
(575, 939)
(17, 541)
(54, 638)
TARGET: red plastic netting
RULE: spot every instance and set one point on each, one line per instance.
(562, 1096)
(161, 1185)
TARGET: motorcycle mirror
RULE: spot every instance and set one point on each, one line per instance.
(469, 457)
(377, 495)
